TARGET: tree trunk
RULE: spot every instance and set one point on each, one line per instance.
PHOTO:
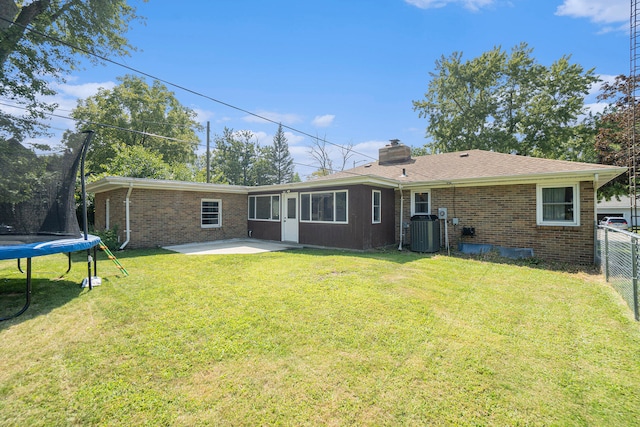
(12, 35)
(8, 10)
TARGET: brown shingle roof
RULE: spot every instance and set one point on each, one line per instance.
(478, 166)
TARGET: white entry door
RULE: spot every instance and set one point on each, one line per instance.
(290, 217)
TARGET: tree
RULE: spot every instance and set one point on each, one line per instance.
(138, 162)
(160, 124)
(614, 138)
(238, 159)
(41, 41)
(233, 157)
(281, 159)
(322, 155)
(264, 170)
(508, 103)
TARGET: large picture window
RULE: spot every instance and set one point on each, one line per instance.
(264, 207)
(330, 206)
(210, 213)
(558, 205)
(420, 202)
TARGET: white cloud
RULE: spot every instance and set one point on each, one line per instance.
(203, 116)
(598, 11)
(274, 117)
(595, 108)
(367, 151)
(82, 91)
(473, 5)
(323, 121)
(292, 138)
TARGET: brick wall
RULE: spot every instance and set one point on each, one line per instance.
(163, 217)
(506, 216)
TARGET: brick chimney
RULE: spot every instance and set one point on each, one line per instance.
(394, 152)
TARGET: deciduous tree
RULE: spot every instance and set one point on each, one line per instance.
(508, 102)
(614, 140)
(42, 41)
(138, 115)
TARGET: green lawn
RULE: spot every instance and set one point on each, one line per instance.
(312, 337)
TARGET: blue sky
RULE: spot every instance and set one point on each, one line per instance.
(344, 70)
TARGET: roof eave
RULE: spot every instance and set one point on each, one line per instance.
(328, 182)
(116, 182)
(598, 176)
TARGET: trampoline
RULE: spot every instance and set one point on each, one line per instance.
(38, 207)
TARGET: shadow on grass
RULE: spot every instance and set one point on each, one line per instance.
(46, 295)
(390, 254)
(537, 263)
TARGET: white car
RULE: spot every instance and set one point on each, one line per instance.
(616, 222)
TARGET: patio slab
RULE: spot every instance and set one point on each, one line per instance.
(233, 246)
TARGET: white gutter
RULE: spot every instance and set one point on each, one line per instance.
(127, 216)
(401, 209)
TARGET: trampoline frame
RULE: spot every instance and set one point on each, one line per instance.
(31, 250)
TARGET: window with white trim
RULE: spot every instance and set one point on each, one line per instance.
(210, 213)
(420, 202)
(558, 205)
(264, 207)
(376, 204)
(324, 206)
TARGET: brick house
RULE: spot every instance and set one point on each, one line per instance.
(483, 198)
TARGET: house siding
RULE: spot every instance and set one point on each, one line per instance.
(169, 217)
(359, 233)
(506, 216)
(263, 229)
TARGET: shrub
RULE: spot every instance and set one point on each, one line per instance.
(109, 238)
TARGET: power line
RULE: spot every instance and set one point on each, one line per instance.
(226, 104)
(135, 70)
(102, 125)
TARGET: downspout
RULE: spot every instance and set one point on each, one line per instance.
(127, 217)
(401, 209)
(107, 214)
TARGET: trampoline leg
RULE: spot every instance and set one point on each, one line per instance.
(19, 267)
(27, 294)
(69, 266)
(89, 259)
(95, 260)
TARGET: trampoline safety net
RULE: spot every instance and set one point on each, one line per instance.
(37, 191)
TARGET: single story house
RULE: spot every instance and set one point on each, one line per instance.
(479, 197)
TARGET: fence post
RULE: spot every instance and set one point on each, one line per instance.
(606, 255)
(634, 260)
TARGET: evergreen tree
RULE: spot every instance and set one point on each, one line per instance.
(281, 158)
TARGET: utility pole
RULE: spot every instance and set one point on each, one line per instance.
(208, 154)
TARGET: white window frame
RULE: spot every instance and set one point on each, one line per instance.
(374, 206)
(576, 205)
(413, 202)
(255, 207)
(219, 222)
(334, 192)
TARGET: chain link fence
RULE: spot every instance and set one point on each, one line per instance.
(618, 254)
